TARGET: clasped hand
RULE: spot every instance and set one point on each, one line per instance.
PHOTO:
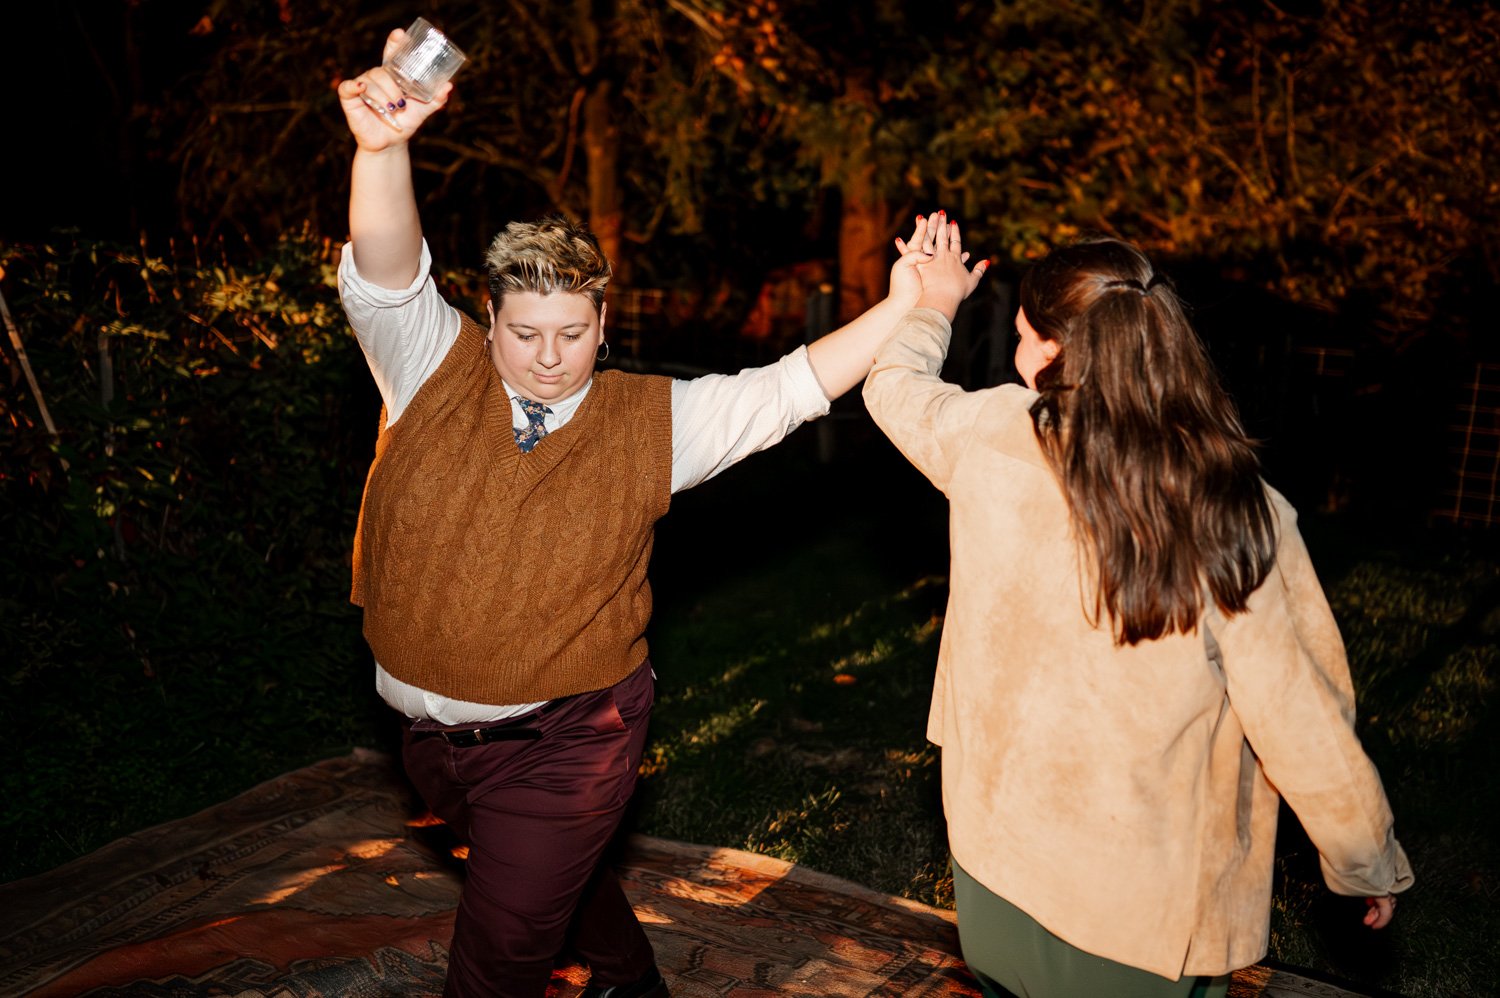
(933, 266)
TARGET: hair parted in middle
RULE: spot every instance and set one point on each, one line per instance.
(1162, 483)
(551, 255)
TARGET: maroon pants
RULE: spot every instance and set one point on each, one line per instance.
(537, 814)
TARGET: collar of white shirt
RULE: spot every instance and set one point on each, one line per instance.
(562, 410)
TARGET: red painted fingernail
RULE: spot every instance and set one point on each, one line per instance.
(919, 218)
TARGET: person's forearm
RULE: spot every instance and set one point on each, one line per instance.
(383, 220)
(843, 357)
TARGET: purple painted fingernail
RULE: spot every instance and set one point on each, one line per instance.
(389, 106)
(401, 102)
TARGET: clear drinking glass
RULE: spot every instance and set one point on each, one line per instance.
(420, 65)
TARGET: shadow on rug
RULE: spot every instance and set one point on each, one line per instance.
(322, 883)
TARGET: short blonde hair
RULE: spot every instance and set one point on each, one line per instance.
(552, 254)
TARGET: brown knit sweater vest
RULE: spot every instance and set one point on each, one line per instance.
(500, 577)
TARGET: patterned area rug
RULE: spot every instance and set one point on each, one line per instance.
(322, 883)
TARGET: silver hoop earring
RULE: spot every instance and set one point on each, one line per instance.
(600, 357)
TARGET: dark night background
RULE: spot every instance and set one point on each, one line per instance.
(1319, 179)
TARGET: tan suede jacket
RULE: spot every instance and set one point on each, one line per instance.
(1124, 797)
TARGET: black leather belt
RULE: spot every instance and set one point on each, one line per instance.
(483, 736)
(515, 729)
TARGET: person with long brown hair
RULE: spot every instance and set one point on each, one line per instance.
(1137, 656)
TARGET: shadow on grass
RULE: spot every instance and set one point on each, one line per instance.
(794, 641)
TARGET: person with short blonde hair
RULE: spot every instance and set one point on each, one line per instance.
(503, 542)
(549, 256)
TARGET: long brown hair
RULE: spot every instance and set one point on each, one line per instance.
(1162, 483)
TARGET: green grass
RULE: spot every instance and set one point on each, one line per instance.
(757, 745)
(93, 754)
(791, 714)
(798, 613)
(1420, 620)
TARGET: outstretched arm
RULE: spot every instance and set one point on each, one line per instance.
(926, 418)
(383, 221)
(843, 357)
(1286, 673)
(718, 419)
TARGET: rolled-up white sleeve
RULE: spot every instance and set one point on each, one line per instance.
(405, 333)
(719, 419)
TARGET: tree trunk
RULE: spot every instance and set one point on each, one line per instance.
(601, 131)
(601, 143)
(863, 264)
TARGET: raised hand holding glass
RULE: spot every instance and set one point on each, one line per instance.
(420, 65)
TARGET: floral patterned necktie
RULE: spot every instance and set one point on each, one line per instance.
(534, 430)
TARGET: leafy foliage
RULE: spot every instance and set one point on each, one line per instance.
(1337, 153)
(566, 107)
(175, 576)
(1326, 150)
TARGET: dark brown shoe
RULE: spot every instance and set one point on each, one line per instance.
(650, 985)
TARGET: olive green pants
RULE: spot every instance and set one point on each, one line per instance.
(1014, 957)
